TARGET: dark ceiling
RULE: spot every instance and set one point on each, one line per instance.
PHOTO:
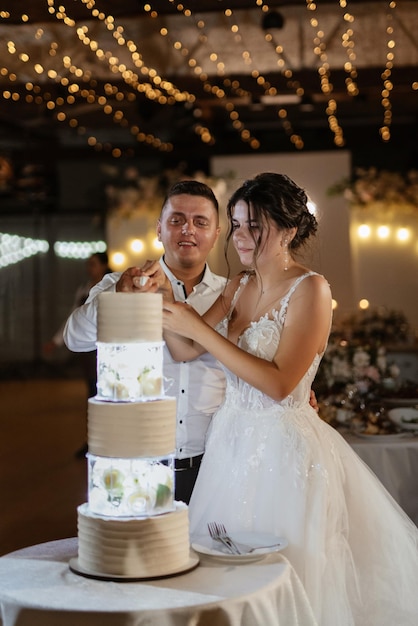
(33, 128)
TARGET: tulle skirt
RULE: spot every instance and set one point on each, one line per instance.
(283, 470)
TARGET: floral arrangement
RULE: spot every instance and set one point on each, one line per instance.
(374, 326)
(363, 366)
(356, 356)
(371, 185)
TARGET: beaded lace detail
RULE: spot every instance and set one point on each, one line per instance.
(261, 338)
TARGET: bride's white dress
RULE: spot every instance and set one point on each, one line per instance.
(276, 467)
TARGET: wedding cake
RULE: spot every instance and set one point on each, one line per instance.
(131, 526)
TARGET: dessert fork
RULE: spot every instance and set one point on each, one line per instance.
(218, 533)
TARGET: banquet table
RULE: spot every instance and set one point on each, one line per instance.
(37, 588)
(394, 460)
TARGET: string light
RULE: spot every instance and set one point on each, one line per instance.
(14, 248)
(78, 249)
(233, 86)
(347, 41)
(386, 75)
(291, 84)
(144, 81)
(324, 74)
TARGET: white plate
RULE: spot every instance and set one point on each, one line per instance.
(404, 417)
(204, 544)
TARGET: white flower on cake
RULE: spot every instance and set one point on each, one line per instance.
(129, 372)
(139, 502)
(149, 385)
(113, 483)
(130, 487)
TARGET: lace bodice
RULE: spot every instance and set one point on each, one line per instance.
(261, 338)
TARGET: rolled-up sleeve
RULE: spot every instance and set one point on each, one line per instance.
(80, 331)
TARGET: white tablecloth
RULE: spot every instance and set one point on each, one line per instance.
(395, 462)
(37, 588)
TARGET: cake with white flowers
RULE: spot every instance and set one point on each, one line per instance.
(131, 526)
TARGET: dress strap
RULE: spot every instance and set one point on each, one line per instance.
(285, 300)
(243, 281)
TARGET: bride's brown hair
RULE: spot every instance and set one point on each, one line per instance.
(275, 197)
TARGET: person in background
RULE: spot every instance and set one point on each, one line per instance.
(97, 266)
(271, 465)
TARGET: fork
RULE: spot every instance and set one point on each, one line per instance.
(251, 549)
(237, 545)
(218, 533)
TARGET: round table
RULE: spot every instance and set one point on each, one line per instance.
(394, 460)
(37, 588)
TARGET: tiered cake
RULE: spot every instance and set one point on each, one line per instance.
(131, 526)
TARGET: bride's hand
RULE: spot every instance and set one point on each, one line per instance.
(181, 318)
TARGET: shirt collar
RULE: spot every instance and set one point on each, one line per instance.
(208, 278)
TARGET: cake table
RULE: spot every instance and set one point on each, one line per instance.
(37, 588)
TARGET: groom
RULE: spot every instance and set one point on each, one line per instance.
(188, 228)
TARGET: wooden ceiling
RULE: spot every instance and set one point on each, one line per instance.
(263, 98)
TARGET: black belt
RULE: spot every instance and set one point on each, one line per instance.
(190, 463)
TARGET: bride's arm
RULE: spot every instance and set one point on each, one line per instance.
(180, 318)
(304, 335)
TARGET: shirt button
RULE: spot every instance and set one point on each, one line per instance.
(182, 391)
(180, 421)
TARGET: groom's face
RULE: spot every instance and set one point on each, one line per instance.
(188, 229)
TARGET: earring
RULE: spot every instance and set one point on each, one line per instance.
(286, 256)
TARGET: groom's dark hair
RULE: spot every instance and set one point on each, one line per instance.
(191, 188)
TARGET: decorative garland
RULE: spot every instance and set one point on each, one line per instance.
(380, 188)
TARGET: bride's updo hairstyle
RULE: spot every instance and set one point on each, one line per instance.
(275, 197)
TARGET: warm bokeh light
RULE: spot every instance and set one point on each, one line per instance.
(403, 234)
(364, 231)
(334, 304)
(363, 304)
(383, 232)
(137, 245)
(118, 259)
(157, 245)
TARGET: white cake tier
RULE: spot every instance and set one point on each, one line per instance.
(130, 487)
(132, 429)
(129, 317)
(137, 548)
(130, 371)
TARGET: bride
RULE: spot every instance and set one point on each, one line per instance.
(271, 464)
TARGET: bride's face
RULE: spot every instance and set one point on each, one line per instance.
(248, 237)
